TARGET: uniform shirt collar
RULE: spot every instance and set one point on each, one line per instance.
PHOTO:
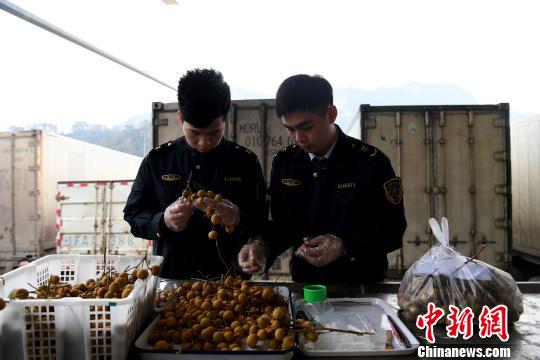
(329, 152)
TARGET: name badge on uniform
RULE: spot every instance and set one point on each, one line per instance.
(232, 179)
(350, 185)
(171, 177)
(290, 182)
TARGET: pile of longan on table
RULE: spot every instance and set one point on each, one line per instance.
(228, 314)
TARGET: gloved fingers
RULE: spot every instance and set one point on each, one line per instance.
(317, 241)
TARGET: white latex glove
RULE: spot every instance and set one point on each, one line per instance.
(229, 213)
(322, 250)
(252, 257)
(177, 215)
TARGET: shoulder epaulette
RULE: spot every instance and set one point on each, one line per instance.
(365, 149)
(244, 149)
(286, 149)
(163, 146)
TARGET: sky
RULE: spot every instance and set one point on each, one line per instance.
(488, 48)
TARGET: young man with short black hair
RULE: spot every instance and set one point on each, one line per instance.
(335, 199)
(180, 231)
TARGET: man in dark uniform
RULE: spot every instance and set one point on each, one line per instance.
(155, 209)
(335, 199)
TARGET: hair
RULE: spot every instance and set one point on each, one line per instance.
(304, 93)
(203, 96)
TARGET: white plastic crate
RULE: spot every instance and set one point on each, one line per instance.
(73, 328)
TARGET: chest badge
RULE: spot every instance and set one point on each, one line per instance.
(232, 179)
(290, 182)
(394, 191)
(171, 177)
(350, 185)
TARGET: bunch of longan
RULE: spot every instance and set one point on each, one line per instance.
(224, 315)
(209, 210)
(111, 285)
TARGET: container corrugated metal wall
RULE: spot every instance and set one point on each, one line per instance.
(454, 162)
(91, 218)
(31, 164)
(526, 188)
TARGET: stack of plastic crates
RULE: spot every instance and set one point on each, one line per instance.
(73, 328)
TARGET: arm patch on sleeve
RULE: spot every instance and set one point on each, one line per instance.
(393, 190)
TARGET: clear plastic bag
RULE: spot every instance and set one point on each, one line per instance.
(445, 277)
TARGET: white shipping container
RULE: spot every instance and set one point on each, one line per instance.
(454, 162)
(31, 164)
(525, 137)
(90, 218)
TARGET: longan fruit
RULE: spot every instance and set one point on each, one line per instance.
(228, 336)
(253, 329)
(288, 342)
(218, 337)
(263, 321)
(114, 287)
(279, 334)
(229, 229)
(275, 325)
(311, 336)
(153, 337)
(239, 331)
(242, 298)
(205, 322)
(171, 322)
(162, 345)
(206, 305)
(200, 193)
(186, 193)
(142, 274)
(267, 294)
(213, 235)
(273, 344)
(200, 202)
(20, 294)
(101, 292)
(235, 324)
(210, 194)
(252, 340)
(187, 335)
(218, 198)
(208, 346)
(155, 270)
(261, 334)
(54, 279)
(207, 333)
(209, 211)
(217, 304)
(228, 315)
(215, 219)
(278, 313)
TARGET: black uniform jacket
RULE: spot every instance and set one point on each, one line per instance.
(355, 196)
(230, 170)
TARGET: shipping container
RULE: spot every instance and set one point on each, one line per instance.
(454, 162)
(31, 164)
(525, 137)
(250, 123)
(90, 218)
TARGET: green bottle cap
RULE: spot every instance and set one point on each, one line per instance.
(314, 293)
